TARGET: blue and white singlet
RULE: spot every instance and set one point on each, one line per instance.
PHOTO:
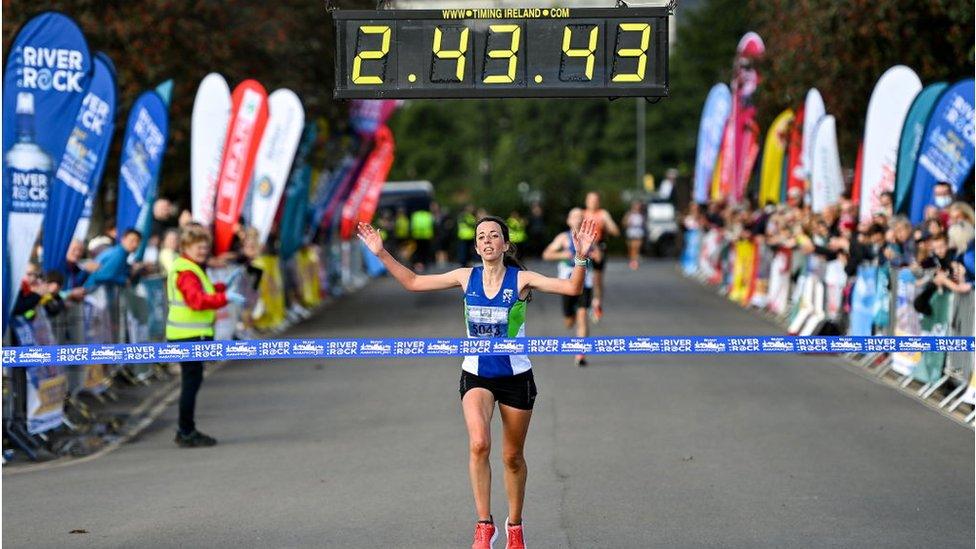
(499, 316)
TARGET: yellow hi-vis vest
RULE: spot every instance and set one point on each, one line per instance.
(401, 227)
(465, 227)
(182, 322)
(516, 230)
(422, 225)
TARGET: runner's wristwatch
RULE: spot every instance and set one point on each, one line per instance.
(580, 262)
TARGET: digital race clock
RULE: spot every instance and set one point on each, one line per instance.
(501, 52)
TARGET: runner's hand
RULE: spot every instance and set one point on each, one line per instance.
(370, 237)
(584, 236)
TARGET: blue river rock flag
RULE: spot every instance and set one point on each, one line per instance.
(47, 72)
(947, 152)
(142, 156)
(83, 161)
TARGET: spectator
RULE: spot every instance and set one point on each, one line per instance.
(536, 230)
(169, 250)
(113, 266)
(77, 269)
(961, 224)
(193, 301)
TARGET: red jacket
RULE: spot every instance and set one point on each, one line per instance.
(194, 295)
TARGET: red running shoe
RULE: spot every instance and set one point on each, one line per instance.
(485, 535)
(514, 535)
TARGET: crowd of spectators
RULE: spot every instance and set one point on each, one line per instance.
(938, 250)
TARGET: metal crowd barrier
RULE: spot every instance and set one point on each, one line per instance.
(814, 298)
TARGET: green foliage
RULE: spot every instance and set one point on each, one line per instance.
(842, 48)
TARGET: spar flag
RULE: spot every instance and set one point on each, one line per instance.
(286, 119)
(249, 115)
(142, 157)
(714, 116)
(911, 141)
(889, 104)
(79, 172)
(47, 72)
(208, 131)
(364, 198)
(813, 111)
(947, 147)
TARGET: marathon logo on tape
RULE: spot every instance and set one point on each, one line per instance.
(911, 345)
(65, 354)
(676, 345)
(375, 347)
(408, 347)
(845, 345)
(240, 349)
(442, 347)
(777, 345)
(576, 345)
(812, 345)
(610, 345)
(507, 347)
(173, 352)
(744, 344)
(207, 350)
(307, 347)
(343, 348)
(643, 345)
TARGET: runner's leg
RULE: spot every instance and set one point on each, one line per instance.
(478, 405)
(516, 426)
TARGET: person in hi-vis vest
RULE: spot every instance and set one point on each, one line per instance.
(193, 301)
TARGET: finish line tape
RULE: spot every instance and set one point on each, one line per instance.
(136, 353)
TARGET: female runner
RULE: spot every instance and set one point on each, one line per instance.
(495, 295)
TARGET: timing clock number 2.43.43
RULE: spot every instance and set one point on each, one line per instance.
(507, 53)
(503, 46)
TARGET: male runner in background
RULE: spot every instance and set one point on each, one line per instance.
(604, 224)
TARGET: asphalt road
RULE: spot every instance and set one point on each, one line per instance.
(731, 451)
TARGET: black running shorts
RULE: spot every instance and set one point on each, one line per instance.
(571, 303)
(517, 391)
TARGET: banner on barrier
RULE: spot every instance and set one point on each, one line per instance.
(270, 310)
(66, 355)
(934, 325)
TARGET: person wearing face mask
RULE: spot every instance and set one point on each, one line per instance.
(495, 295)
(942, 198)
(193, 302)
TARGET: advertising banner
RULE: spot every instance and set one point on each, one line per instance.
(911, 141)
(337, 194)
(774, 151)
(294, 215)
(740, 146)
(142, 157)
(307, 260)
(286, 119)
(208, 131)
(906, 321)
(249, 114)
(363, 199)
(826, 176)
(862, 301)
(947, 151)
(47, 72)
(889, 104)
(794, 179)
(935, 324)
(367, 115)
(714, 116)
(270, 311)
(813, 111)
(74, 181)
